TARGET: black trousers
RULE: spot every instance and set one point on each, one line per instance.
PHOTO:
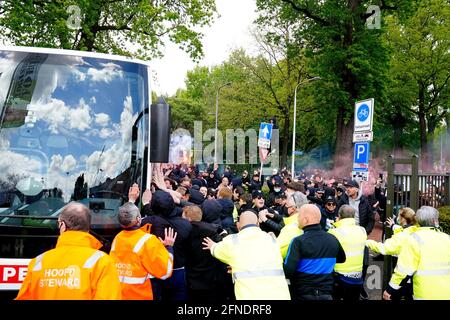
(346, 291)
(313, 295)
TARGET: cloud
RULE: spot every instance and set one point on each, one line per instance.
(17, 163)
(80, 117)
(55, 73)
(114, 160)
(93, 100)
(7, 67)
(55, 164)
(106, 133)
(102, 119)
(107, 73)
(57, 114)
(126, 120)
(69, 163)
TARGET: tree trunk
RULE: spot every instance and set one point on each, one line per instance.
(447, 122)
(343, 162)
(285, 140)
(398, 124)
(423, 129)
(344, 144)
(92, 22)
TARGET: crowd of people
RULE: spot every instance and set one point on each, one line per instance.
(207, 236)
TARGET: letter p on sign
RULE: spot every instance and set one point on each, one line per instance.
(12, 273)
(361, 153)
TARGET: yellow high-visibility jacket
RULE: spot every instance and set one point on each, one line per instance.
(138, 256)
(256, 263)
(425, 257)
(393, 245)
(74, 270)
(287, 233)
(353, 240)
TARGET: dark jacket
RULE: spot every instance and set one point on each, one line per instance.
(343, 199)
(203, 271)
(157, 222)
(211, 209)
(327, 215)
(226, 216)
(163, 205)
(254, 185)
(196, 197)
(212, 182)
(310, 261)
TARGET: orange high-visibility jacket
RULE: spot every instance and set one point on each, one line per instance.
(74, 270)
(138, 256)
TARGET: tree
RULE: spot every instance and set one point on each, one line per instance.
(185, 111)
(278, 69)
(420, 64)
(346, 54)
(128, 27)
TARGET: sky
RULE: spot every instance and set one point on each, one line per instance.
(230, 31)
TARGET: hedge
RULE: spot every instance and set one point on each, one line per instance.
(444, 218)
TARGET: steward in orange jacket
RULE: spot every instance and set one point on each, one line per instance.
(139, 255)
(75, 269)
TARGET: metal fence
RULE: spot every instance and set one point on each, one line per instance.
(431, 190)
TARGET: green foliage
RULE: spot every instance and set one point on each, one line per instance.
(185, 111)
(444, 219)
(419, 75)
(108, 26)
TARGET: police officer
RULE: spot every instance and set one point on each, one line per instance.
(255, 260)
(348, 277)
(425, 257)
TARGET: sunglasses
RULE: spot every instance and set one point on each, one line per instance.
(331, 204)
(258, 197)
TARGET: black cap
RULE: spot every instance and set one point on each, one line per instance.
(257, 193)
(351, 183)
(330, 199)
(281, 195)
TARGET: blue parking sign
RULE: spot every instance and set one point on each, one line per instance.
(265, 131)
(361, 153)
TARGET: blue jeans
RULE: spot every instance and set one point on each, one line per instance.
(171, 289)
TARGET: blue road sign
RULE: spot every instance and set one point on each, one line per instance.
(363, 112)
(361, 153)
(265, 131)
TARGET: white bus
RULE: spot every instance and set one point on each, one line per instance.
(74, 126)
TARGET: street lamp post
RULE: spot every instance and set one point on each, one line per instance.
(295, 120)
(217, 113)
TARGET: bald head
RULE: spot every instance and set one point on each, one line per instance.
(246, 218)
(76, 217)
(308, 214)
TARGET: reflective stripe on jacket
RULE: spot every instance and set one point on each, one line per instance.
(256, 263)
(426, 258)
(393, 245)
(74, 270)
(138, 256)
(353, 240)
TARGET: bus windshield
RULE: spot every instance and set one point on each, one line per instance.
(66, 135)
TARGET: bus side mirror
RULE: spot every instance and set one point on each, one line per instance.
(160, 124)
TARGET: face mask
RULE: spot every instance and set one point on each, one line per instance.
(277, 189)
